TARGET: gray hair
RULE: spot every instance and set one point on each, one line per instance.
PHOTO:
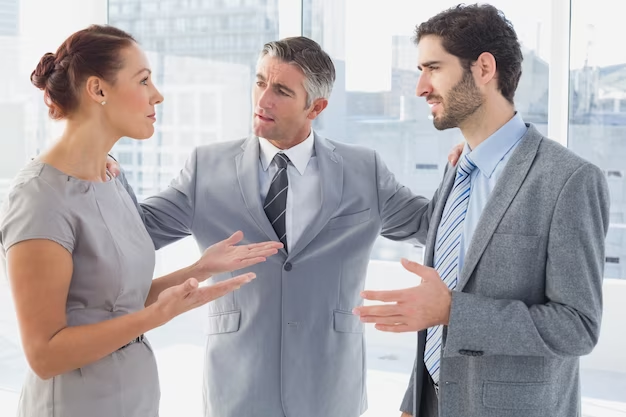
(306, 54)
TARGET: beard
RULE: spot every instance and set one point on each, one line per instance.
(463, 100)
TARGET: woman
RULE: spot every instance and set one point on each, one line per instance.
(79, 259)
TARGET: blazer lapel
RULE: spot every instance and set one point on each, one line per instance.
(248, 177)
(445, 189)
(500, 199)
(331, 181)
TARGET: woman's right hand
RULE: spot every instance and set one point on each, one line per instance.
(189, 295)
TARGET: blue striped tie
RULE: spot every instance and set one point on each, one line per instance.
(447, 250)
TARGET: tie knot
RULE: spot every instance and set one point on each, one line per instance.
(281, 160)
(466, 166)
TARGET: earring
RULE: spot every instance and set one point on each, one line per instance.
(103, 102)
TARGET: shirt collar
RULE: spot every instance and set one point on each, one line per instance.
(489, 153)
(299, 155)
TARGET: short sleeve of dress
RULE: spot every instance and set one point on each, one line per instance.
(35, 210)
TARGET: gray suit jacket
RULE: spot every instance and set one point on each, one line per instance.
(287, 344)
(529, 297)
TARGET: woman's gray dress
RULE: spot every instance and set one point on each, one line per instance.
(113, 257)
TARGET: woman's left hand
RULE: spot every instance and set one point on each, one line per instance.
(225, 256)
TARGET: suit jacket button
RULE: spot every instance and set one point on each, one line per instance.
(479, 353)
(288, 266)
(463, 352)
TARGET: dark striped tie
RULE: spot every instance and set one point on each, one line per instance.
(275, 205)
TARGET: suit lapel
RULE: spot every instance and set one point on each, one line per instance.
(446, 188)
(248, 177)
(499, 201)
(331, 182)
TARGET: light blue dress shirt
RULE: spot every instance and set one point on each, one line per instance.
(490, 157)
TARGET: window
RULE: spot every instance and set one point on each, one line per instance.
(597, 120)
(146, 6)
(187, 109)
(125, 158)
(129, 9)
(209, 106)
(203, 55)
(168, 139)
(114, 10)
(161, 27)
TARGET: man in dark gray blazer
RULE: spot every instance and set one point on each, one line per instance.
(288, 343)
(511, 290)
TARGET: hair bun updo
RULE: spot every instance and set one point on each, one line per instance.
(94, 51)
(44, 70)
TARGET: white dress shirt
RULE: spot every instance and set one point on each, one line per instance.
(304, 196)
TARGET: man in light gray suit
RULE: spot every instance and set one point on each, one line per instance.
(288, 344)
(511, 290)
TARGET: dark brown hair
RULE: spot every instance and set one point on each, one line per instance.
(466, 31)
(94, 51)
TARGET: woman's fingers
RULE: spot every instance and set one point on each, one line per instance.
(215, 291)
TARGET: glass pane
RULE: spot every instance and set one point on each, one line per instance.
(203, 56)
(597, 132)
(597, 129)
(374, 104)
